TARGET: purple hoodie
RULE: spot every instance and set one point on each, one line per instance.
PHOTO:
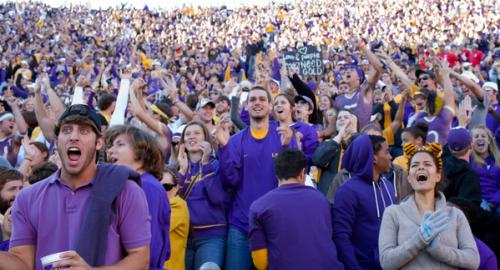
(358, 208)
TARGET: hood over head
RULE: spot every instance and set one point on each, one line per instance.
(358, 158)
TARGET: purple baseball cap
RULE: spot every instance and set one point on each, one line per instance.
(459, 139)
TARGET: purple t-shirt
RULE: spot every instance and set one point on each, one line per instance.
(356, 103)
(48, 215)
(281, 222)
(439, 125)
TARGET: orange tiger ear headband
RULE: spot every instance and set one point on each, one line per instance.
(435, 149)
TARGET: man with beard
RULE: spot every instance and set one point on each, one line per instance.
(93, 212)
(11, 182)
(247, 166)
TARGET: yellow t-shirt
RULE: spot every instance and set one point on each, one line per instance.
(259, 134)
(388, 135)
(107, 117)
(401, 161)
(179, 231)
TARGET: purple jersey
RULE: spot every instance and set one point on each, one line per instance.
(439, 125)
(357, 104)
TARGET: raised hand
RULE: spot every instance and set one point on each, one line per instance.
(182, 159)
(285, 133)
(28, 149)
(206, 148)
(465, 110)
(222, 133)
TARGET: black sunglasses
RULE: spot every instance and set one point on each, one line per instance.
(168, 186)
(424, 77)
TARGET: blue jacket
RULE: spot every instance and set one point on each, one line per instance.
(358, 208)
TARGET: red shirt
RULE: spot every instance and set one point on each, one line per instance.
(476, 58)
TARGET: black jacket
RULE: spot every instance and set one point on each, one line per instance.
(461, 180)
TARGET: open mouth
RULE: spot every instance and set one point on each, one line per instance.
(74, 154)
(481, 143)
(421, 177)
(112, 159)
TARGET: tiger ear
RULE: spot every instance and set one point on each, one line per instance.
(436, 149)
(409, 149)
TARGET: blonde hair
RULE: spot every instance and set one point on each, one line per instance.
(492, 148)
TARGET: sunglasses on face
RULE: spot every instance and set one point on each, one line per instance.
(424, 77)
(168, 187)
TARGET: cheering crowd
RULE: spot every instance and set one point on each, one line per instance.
(182, 139)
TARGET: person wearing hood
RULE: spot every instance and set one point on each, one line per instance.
(462, 180)
(360, 202)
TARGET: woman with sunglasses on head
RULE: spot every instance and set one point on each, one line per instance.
(422, 232)
(486, 162)
(179, 221)
(202, 189)
(133, 147)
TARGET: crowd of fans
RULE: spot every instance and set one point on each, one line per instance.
(388, 159)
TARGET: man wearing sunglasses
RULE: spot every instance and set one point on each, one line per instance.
(92, 213)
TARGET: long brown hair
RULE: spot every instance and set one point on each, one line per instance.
(146, 148)
(205, 132)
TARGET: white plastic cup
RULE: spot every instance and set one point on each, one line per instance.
(48, 260)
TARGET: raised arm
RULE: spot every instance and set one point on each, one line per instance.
(400, 113)
(55, 101)
(139, 111)
(45, 123)
(374, 75)
(443, 74)
(235, 114)
(474, 87)
(22, 127)
(395, 68)
(171, 91)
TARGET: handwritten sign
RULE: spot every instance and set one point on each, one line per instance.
(308, 59)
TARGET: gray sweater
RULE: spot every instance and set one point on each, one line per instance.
(402, 246)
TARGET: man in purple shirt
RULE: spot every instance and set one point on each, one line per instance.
(52, 216)
(279, 235)
(246, 164)
(359, 97)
